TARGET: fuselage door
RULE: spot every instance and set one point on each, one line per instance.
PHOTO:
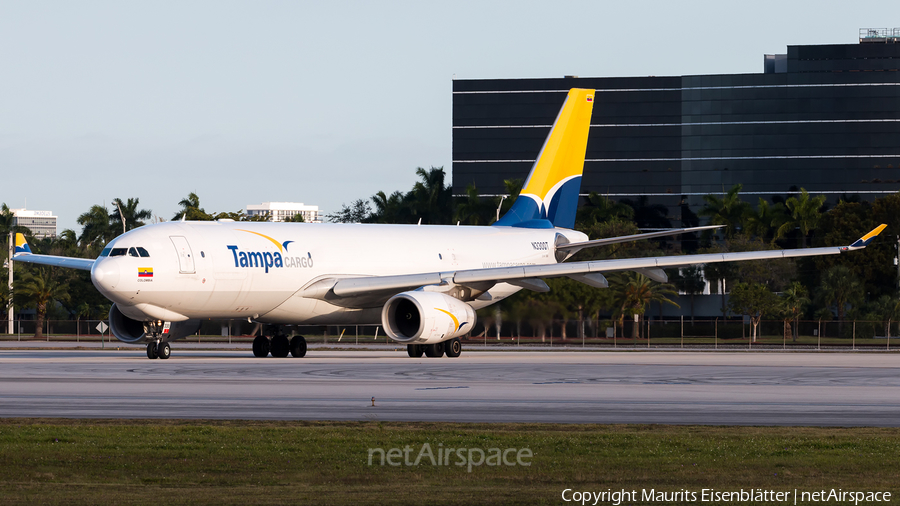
(185, 256)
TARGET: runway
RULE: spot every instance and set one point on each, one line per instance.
(721, 388)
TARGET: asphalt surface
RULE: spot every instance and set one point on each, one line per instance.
(709, 388)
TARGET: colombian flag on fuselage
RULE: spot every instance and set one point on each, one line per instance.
(145, 272)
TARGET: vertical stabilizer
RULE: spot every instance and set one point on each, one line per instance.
(549, 197)
(22, 244)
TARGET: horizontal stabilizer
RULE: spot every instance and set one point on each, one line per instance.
(576, 246)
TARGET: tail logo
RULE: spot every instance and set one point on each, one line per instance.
(549, 197)
(21, 245)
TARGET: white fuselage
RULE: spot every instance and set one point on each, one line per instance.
(227, 270)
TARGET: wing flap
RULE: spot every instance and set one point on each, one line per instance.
(347, 287)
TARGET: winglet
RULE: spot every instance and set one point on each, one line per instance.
(864, 241)
(21, 244)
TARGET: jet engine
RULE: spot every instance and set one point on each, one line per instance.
(426, 317)
(129, 330)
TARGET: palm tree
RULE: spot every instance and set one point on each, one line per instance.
(8, 224)
(39, 288)
(191, 210)
(430, 199)
(793, 300)
(133, 216)
(96, 230)
(729, 210)
(765, 220)
(803, 213)
(636, 293)
(389, 209)
(471, 210)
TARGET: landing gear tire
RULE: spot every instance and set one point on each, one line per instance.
(453, 347)
(415, 350)
(151, 351)
(163, 350)
(260, 347)
(280, 346)
(298, 346)
(434, 350)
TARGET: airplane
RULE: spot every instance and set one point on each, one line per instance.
(421, 283)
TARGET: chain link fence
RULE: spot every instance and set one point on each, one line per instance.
(681, 333)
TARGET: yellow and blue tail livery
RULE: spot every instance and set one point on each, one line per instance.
(21, 244)
(864, 241)
(549, 197)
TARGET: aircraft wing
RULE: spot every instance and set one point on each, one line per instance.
(23, 254)
(588, 272)
(84, 264)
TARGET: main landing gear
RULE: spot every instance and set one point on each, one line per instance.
(279, 346)
(451, 348)
(159, 349)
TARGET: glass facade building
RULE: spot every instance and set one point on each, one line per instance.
(824, 118)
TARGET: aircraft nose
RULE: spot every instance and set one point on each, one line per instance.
(105, 275)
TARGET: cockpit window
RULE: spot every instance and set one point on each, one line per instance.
(138, 252)
(105, 252)
(118, 252)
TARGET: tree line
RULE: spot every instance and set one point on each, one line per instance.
(862, 285)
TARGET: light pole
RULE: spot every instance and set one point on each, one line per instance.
(897, 260)
(121, 214)
(9, 264)
(499, 206)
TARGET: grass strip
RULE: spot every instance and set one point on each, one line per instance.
(53, 461)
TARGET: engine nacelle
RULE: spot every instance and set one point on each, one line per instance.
(129, 330)
(426, 317)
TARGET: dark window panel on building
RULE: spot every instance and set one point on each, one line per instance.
(829, 121)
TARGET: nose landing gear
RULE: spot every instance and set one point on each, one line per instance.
(159, 349)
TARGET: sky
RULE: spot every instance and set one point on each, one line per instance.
(322, 102)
